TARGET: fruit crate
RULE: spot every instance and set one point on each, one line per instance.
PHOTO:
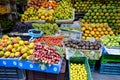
(110, 68)
(91, 54)
(80, 60)
(28, 65)
(9, 62)
(104, 52)
(12, 74)
(110, 59)
(34, 75)
(92, 64)
(110, 50)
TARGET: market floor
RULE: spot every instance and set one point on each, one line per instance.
(97, 76)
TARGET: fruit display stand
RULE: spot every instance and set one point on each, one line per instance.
(110, 64)
(48, 11)
(106, 13)
(80, 60)
(110, 60)
(74, 50)
(54, 68)
(12, 74)
(34, 75)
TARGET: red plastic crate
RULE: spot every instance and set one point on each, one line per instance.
(34, 75)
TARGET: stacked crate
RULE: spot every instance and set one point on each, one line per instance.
(12, 74)
(92, 64)
(110, 64)
(34, 75)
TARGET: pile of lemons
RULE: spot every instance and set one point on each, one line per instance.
(78, 72)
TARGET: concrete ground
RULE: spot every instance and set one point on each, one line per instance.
(97, 76)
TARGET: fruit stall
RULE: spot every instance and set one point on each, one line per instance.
(59, 39)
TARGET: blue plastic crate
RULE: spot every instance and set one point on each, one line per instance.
(12, 74)
(92, 67)
(110, 68)
(9, 62)
(54, 68)
(104, 52)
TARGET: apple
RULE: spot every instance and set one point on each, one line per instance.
(21, 43)
(9, 47)
(17, 54)
(16, 45)
(31, 45)
(26, 42)
(24, 56)
(7, 54)
(23, 50)
(1, 53)
(1, 47)
(5, 37)
(30, 51)
(13, 50)
(18, 38)
(12, 55)
(15, 41)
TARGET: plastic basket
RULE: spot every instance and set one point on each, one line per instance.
(110, 59)
(28, 65)
(12, 74)
(9, 62)
(80, 60)
(34, 75)
(110, 68)
(30, 32)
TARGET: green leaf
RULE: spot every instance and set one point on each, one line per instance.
(43, 67)
(49, 65)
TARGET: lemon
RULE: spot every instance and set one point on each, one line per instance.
(78, 72)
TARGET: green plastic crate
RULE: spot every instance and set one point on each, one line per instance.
(92, 61)
(80, 60)
(110, 59)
